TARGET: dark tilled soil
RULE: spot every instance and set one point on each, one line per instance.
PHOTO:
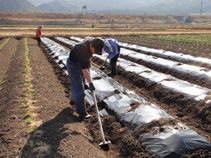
(6, 52)
(60, 132)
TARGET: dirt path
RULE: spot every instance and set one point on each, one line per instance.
(7, 49)
(59, 132)
(13, 129)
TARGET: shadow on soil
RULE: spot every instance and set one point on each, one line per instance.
(48, 136)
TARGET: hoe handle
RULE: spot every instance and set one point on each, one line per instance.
(99, 120)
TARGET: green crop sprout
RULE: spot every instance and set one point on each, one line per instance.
(25, 99)
(27, 84)
(3, 82)
(32, 130)
(27, 80)
(26, 94)
(33, 144)
(28, 113)
(25, 105)
(28, 121)
(26, 89)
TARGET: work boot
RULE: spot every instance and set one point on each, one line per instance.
(84, 115)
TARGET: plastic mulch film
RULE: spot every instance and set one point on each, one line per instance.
(137, 68)
(89, 97)
(187, 89)
(118, 85)
(67, 41)
(175, 85)
(102, 90)
(103, 113)
(177, 56)
(145, 113)
(76, 38)
(195, 71)
(54, 47)
(96, 73)
(120, 103)
(172, 143)
(63, 58)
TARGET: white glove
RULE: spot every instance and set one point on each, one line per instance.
(111, 50)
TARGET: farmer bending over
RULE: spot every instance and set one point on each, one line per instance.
(112, 47)
(78, 65)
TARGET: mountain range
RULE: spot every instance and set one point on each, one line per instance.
(109, 7)
(59, 6)
(17, 5)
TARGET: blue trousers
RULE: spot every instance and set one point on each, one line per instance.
(77, 84)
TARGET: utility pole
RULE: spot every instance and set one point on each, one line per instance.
(201, 7)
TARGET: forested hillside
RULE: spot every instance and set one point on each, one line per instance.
(17, 5)
(58, 6)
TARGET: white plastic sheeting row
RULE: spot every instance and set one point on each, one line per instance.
(144, 113)
(189, 90)
(56, 51)
(195, 71)
(178, 56)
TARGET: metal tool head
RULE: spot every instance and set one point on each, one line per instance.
(105, 145)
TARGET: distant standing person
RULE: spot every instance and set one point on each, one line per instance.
(78, 65)
(112, 47)
(38, 35)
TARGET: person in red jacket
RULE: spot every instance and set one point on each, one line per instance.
(38, 35)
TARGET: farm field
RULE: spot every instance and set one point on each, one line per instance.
(38, 121)
(105, 29)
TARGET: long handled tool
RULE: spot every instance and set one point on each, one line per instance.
(104, 142)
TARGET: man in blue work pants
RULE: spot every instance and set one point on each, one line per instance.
(78, 65)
